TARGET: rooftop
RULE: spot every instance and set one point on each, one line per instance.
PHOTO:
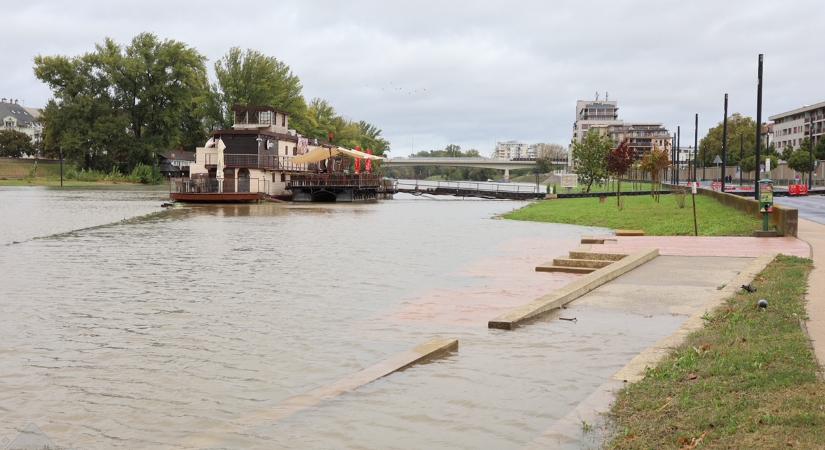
(803, 109)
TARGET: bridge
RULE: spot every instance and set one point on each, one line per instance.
(511, 191)
(483, 163)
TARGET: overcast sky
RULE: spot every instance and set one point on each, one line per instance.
(470, 73)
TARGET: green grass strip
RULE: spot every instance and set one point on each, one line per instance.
(748, 379)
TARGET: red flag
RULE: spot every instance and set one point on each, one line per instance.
(369, 162)
(357, 160)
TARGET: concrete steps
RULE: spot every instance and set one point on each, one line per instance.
(630, 233)
(580, 262)
(574, 262)
(596, 239)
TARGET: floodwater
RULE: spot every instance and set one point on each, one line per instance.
(167, 330)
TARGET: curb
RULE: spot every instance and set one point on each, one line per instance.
(516, 316)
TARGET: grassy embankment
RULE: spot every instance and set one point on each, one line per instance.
(748, 379)
(24, 172)
(643, 213)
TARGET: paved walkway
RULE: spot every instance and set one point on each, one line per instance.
(814, 233)
(745, 247)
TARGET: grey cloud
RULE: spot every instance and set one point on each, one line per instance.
(465, 72)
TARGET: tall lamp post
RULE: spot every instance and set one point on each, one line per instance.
(810, 149)
(758, 129)
(678, 148)
(61, 166)
(696, 147)
(725, 143)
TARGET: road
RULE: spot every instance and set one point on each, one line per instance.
(811, 207)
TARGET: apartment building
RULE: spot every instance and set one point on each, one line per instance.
(514, 150)
(603, 116)
(14, 116)
(791, 127)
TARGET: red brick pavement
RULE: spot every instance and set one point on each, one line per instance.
(709, 245)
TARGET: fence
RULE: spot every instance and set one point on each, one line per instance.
(214, 185)
(17, 168)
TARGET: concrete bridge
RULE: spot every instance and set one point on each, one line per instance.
(483, 163)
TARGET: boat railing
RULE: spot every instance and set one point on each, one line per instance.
(214, 185)
(334, 180)
(262, 161)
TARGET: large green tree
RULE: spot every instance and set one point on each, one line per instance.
(590, 158)
(800, 161)
(252, 78)
(14, 144)
(740, 128)
(120, 105)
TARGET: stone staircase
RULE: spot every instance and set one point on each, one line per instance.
(580, 262)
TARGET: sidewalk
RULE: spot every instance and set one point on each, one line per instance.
(744, 247)
(814, 233)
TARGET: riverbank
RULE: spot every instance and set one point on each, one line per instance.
(748, 379)
(663, 218)
(66, 183)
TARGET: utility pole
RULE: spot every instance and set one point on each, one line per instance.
(725, 143)
(673, 160)
(758, 129)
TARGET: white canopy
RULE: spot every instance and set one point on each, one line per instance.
(322, 153)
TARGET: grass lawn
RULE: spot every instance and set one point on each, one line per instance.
(627, 186)
(748, 379)
(641, 212)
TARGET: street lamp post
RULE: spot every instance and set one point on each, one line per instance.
(696, 147)
(725, 143)
(810, 149)
(678, 148)
(61, 166)
(758, 129)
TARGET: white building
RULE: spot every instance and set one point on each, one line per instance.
(14, 116)
(792, 127)
(603, 115)
(514, 150)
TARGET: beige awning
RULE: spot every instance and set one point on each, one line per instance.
(322, 153)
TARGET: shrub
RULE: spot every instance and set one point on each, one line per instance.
(145, 174)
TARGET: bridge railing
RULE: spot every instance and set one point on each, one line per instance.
(469, 186)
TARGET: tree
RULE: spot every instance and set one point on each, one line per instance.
(14, 144)
(618, 162)
(800, 161)
(739, 127)
(819, 149)
(655, 163)
(589, 157)
(749, 164)
(252, 78)
(118, 106)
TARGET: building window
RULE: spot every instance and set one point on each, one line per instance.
(9, 124)
(283, 177)
(295, 150)
(283, 119)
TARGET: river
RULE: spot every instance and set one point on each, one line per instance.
(127, 326)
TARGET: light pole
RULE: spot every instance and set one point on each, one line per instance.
(678, 148)
(810, 149)
(696, 148)
(61, 166)
(758, 129)
(740, 160)
(725, 143)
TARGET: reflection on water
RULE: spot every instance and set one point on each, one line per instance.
(145, 333)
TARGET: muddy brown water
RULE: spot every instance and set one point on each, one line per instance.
(125, 332)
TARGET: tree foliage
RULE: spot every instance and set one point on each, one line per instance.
(590, 158)
(800, 161)
(118, 105)
(14, 144)
(739, 127)
(655, 163)
(252, 78)
(618, 161)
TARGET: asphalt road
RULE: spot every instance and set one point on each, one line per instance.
(811, 207)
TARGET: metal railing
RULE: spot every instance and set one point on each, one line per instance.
(214, 185)
(334, 180)
(469, 186)
(265, 161)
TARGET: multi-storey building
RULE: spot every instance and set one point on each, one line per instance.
(792, 127)
(514, 150)
(603, 116)
(14, 116)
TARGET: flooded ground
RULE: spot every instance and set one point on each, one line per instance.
(152, 333)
